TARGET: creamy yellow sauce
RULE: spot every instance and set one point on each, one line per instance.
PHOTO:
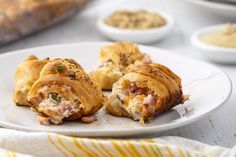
(226, 37)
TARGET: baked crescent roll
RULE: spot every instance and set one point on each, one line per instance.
(64, 92)
(114, 61)
(26, 74)
(144, 92)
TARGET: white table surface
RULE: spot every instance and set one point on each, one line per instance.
(218, 128)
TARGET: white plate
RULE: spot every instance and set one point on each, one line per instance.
(222, 9)
(209, 88)
(138, 36)
(215, 53)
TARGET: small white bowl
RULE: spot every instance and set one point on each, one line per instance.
(214, 53)
(138, 36)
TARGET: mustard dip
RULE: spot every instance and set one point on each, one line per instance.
(139, 19)
(226, 37)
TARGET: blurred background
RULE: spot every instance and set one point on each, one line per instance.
(189, 16)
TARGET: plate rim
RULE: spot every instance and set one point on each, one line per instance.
(123, 132)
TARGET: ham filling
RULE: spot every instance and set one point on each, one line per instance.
(54, 107)
(140, 103)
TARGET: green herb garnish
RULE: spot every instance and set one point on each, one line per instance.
(60, 67)
(54, 98)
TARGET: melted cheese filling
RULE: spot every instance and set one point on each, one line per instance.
(56, 112)
(139, 107)
(133, 106)
(55, 108)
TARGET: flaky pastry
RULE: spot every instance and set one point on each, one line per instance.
(64, 92)
(114, 61)
(145, 92)
(26, 74)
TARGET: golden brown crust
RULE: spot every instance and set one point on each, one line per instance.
(163, 83)
(122, 54)
(115, 60)
(59, 74)
(26, 74)
(154, 70)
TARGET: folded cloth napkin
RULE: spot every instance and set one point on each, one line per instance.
(24, 144)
